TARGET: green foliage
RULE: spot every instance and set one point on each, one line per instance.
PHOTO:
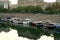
(38, 9)
(28, 9)
(57, 10)
(2, 9)
(54, 8)
(50, 10)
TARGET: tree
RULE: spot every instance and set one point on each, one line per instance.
(1, 8)
(57, 7)
(38, 9)
(28, 9)
(49, 10)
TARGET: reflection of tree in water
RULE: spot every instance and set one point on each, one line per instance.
(57, 35)
(33, 33)
(4, 27)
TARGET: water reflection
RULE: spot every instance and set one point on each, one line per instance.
(12, 35)
(41, 34)
(4, 29)
(44, 37)
(11, 32)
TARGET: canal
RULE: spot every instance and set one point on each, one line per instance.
(13, 35)
(11, 32)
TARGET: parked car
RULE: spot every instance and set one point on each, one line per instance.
(15, 20)
(57, 26)
(1, 20)
(46, 23)
(57, 30)
(49, 25)
(36, 23)
(25, 21)
(6, 18)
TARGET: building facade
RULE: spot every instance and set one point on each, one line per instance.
(1, 2)
(5, 3)
(30, 2)
(57, 0)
